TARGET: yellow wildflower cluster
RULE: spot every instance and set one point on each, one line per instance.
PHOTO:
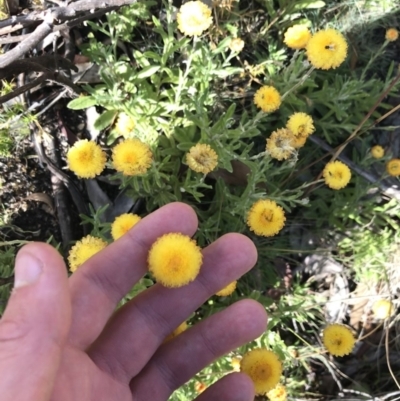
(268, 99)
(86, 159)
(393, 167)
(263, 367)
(338, 339)
(266, 218)
(377, 152)
(301, 125)
(132, 157)
(175, 260)
(336, 174)
(193, 18)
(202, 158)
(281, 144)
(123, 223)
(327, 49)
(297, 37)
(84, 250)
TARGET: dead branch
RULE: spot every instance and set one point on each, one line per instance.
(50, 18)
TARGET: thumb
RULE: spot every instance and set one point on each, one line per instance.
(35, 325)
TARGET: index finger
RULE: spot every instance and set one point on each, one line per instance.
(98, 285)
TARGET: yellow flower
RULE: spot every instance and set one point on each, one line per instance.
(84, 250)
(337, 175)
(377, 151)
(297, 36)
(123, 223)
(202, 158)
(227, 290)
(132, 157)
(383, 308)
(124, 125)
(281, 144)
(278, 393)
(86, 159)
(300, 124)
(263, 367)
(338, 339)
(393, 167)
(327, 49)
(236, 45)
(194, 17)
(392, 34)
(175, 260)
(266, 218)
(267, 98)
(180, 329)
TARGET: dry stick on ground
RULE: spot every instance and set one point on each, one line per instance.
(373, 178)
(341, 147)
(50, 19)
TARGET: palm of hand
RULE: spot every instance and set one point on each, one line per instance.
(93, 354)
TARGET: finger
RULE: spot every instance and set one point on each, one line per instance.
(181, 358)
(233, 387)
(35, 325)
(136, 331)
(98, 286)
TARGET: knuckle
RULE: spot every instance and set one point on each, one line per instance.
(12, 330)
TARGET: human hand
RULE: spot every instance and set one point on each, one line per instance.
(62, 340)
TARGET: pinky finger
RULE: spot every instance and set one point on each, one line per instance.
(234, 387)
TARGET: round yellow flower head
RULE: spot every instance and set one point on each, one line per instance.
(377, 151)
(84, 250)
(393, 167)
(300, 124)
(281, 144)
(180, 329)
(392, 34)
(123, 223)
(338, 339)
(297, 36)
(228, 290)
(125, 124)
(266, 218)
(337, 175)
(236, 45)
(175, 260)
(202, 158)
(268, 99)
(383, 308)
(132, 157)
(194, 17)
(278, 393)
(327, 49)
(263, 367)
(86, 159)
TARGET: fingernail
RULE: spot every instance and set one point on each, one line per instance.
(27, 270)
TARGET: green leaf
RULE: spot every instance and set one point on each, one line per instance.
(148, 71)
(82, 102)
(105, 119)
